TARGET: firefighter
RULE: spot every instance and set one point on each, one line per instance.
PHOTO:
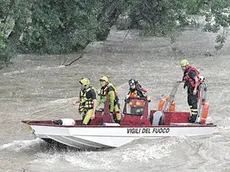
(192, 82)
(135, 90)
(87, 101)
(108, 89)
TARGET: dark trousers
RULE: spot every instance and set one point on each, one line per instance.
(193, 103)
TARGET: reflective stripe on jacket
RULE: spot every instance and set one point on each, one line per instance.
(110, 90)
(85, 102)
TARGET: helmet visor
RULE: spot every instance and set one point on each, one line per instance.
(131, 82)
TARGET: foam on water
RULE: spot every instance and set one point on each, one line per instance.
(81, 160)
(141, 152)
(49, 159)
(91, 160)
(20, 145)
(148, 150)
(49, 68)
(14, 72)
(62, 101)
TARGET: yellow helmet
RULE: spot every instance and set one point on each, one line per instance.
(184, 63)
(85, 82)
(104, 78)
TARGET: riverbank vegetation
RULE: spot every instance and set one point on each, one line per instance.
(67, 26)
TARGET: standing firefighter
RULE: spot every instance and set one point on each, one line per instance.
(109, 90)
(87, 100)
(192, 82)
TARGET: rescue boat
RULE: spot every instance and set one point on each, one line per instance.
(136, 123)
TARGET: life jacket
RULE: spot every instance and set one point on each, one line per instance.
(105, 90)
(137, 93)
(205, 110)
(137, 103)
(85, 103)
(191, 80)
(133, 94)
(162, 102)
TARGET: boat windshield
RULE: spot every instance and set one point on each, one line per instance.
(134, 106)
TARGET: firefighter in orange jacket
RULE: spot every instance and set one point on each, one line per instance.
(135, 90)
(192, 82)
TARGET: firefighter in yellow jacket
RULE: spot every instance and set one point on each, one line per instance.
(108, 89)
(87, 100)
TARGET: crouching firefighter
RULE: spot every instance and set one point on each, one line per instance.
(109, 90)
(87, 101)
(192, 81)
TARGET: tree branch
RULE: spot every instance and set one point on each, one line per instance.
(81, 55)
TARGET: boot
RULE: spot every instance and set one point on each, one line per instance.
(192, 118)
(118, 121)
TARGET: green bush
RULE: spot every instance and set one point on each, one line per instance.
(61, 26)
(6, 51)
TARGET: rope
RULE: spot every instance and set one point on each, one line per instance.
(75, 111)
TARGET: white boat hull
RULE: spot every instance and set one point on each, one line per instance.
(111, 137)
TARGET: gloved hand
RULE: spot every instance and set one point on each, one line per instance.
(127, 100)
(179, 81)
(127, 96)
(138, 86)
(184, 78)
(185, 85)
